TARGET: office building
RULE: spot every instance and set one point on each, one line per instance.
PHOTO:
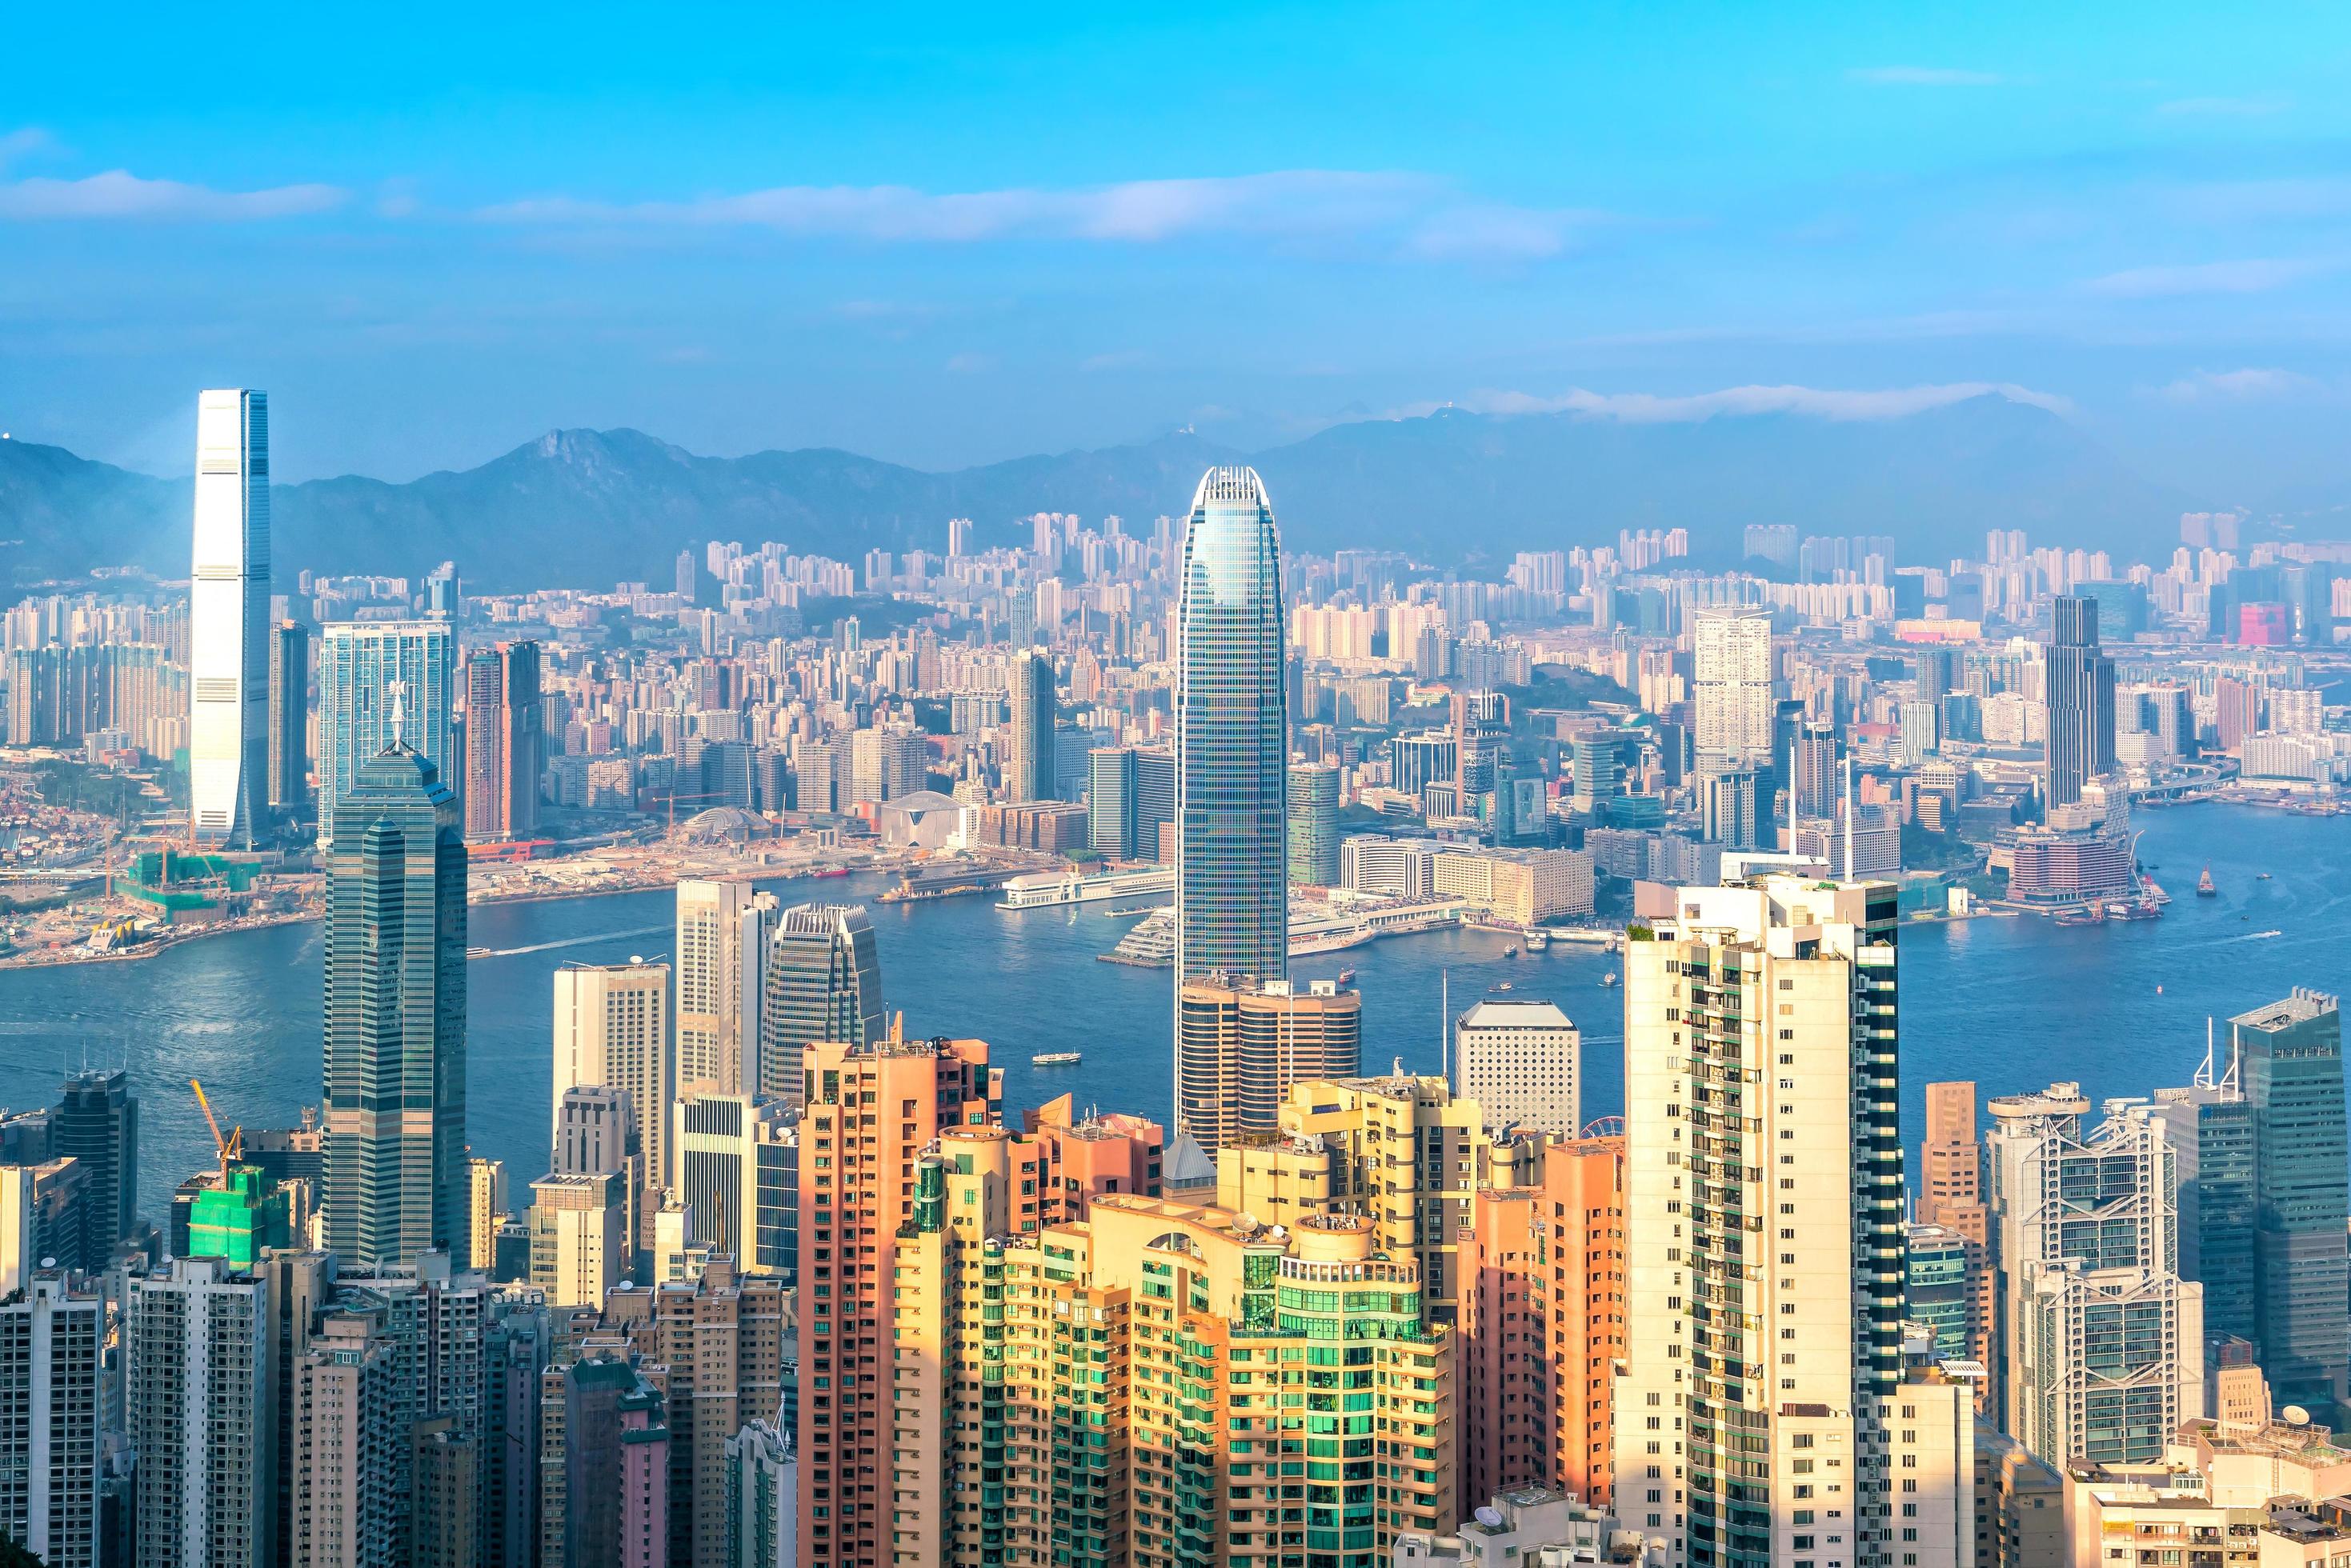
(1240, 1043)
(1938, 1289)
(1519, 1060)
(1314, 826)
(1754, 1354)
(2100, 1353)
(579, 1242)
(2078, 685)
(611, 1028)
(289, 717)
(228, 622)
(95, 1125)
(1111, 827)
(379, 681)
(823, 982)
(1232, 896)
(44, 1212)
(720, 928)
(504, 743)
(395, 1015)
(1543, 1323)
(201, 1408)
(1029, 767)
(738, 1172)
(860, 1459)
(1732, 810)
(2216, 1160)
(1733, 681)
(53, 1377)
(2290, 1056)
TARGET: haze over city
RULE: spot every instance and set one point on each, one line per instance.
(1251, 787)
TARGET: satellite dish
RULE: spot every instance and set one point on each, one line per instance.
(2295, 1416)
(1489, 1518)
(1244, 1223)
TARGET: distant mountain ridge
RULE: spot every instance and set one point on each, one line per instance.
(581, 508)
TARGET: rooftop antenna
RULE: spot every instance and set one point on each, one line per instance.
(2203, 1079)
(398, 689)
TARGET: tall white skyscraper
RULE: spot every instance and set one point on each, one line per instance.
(1734, 686)
(722, 931)
(1763, 1202)
(228, 621)
(611, 1030)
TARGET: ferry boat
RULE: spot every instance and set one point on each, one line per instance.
(1042, 889)
(2204, 889)
(1537, 941)
(1057, 1058)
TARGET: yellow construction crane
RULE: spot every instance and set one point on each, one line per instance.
(232, 1147)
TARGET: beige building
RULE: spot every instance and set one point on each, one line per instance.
(1522, 886)
(722, 936)
(2019, 1505)
(579, 1243)
(611, 1031)
(485, 1202)
(1758, 1405)
(344, 1422)
(1518, 1059)
(1241, 1043)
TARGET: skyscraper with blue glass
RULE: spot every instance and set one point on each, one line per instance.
(2290, 1056)
(1232, 744)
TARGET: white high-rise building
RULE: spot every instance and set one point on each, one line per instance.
(228, 621)
(611, 1031)
(1755, 1415)
(1734, 686)
(2100, 1354)
(202, 1405)
(1519, 1061)
(721, 940)
(52, 1394)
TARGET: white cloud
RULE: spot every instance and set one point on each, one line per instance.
(1414, 214)
(2245, 386)
(118, 194)
(1923, 76)
(2251, 276)
(1826, 403)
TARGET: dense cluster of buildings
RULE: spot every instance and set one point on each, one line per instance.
(796, 1287)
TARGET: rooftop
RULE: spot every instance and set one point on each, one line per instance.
(1529, 1014)
(2300, 1008)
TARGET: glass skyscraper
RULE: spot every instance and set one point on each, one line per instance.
(824, 983)
(395, 1015)
(358, 665)
(1232, 890)
(228, 621)
(2290, 1055)
(2078, 685)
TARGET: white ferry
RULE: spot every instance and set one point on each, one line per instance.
(1057, 1059)
(1043, 889)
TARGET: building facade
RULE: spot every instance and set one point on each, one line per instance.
(1241, 1043)
(379, 681)
(228, 621)
(823, 982)
(1519, 1060)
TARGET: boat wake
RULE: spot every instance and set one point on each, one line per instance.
(2253, 937)
(566, 943)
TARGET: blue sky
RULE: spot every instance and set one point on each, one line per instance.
(942, 236)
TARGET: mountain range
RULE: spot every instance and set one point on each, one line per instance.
(586, 509)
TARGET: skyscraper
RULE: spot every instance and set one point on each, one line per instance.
(228, 621)
(201, 1411)
(611, 1029)
(53, 1381)
(366, 670)
(1761, 1337)
(720, 957)
(504, 736)
(395, 1014)
(824, 983)
(96, 1125)
(1951, 1197)
(289, 716)
(1028, 772)
(1241, 1043)
(1733, 675)
(2078, 685)
(2100, 1354)
(2290, 1053)
(1232, 751)
(1314, 826)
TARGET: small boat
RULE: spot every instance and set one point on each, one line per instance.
(1510, 952)
(1346, 977)
(1504, 986)
(2262, 877)
(1057, 1058)
(2204, 889)
(834, 871)
(1608, 979)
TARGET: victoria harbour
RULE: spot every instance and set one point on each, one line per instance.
(2008, 1002)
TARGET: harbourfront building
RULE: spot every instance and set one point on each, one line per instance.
(228, 622)
(1518, 1059)
(1763, 1317)
(2078, 685)
(395, 1015)
(1232, 892)
(611, 1029)
(1314, 826)
(823, 982)
(289, 717)
(723, 931)
(1029, 767)
(2290, 1055)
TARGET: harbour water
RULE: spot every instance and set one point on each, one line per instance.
(2010, 1002)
